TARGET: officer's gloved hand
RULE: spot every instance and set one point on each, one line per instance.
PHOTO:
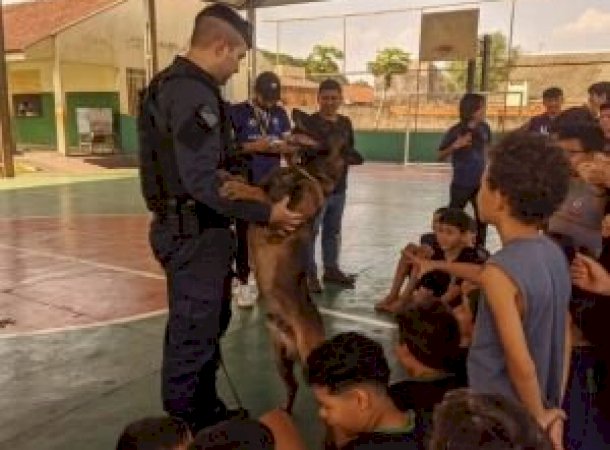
(283, 219)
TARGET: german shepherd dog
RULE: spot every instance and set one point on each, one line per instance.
(279, 261)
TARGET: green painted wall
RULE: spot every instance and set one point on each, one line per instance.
(38, 130)
(423, 146)
(129, 134)
(375, 146)
(381, 146)
(91, 100)
(389, 146)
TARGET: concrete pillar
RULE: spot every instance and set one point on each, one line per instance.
(60, 100)
(252, 69)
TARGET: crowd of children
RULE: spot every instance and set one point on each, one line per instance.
(502, 351)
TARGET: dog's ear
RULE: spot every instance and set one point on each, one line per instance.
(305, 123)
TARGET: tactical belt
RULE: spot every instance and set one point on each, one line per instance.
(190, 216)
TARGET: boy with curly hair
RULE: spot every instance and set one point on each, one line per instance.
(520, 347)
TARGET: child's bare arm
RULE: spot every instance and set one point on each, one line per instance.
(453, 291)
(466, 271)
(501, 295)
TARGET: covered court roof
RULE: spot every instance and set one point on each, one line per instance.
(266, 3)
(26, 24)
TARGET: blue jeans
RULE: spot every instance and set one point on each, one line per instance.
(329, 219)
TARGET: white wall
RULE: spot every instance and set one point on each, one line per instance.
(96, 52)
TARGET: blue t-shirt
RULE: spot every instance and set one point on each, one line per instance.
(249, 127)
(468, 163)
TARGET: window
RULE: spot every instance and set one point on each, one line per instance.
(136, 81)
(27, 105)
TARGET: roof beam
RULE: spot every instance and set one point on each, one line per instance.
(243, 4)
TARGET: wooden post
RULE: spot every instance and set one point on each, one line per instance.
(6, 136)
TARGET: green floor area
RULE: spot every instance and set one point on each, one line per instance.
(77, 389)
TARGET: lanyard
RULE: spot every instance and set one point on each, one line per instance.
(263, 119)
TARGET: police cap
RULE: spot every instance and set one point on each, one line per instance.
(268, 86)
(231, 16)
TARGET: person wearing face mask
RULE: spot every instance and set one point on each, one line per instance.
(185, 139)
(261, 127)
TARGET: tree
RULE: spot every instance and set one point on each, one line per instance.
(499, 66)
(323, 60)
(283, 59)
(388, 62)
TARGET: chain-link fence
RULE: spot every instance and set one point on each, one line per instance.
(421, 95)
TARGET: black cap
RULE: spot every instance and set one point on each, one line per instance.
(268, 86)
(232, 17)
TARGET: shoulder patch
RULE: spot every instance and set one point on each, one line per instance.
(207, 117)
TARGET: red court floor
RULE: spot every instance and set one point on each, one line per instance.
(58, 272)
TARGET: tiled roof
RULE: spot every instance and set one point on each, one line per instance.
(25, 24)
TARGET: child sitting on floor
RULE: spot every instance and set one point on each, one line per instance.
(428, 246)
(349, 375)
(452, 237)
(469, 421)
(429, 351)
(155, 433)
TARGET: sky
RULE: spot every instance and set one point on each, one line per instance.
(540, 26)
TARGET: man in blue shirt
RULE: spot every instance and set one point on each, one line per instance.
(260, 126)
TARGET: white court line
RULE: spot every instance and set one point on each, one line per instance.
(155, 276)
(120, 269)
(354, 318)
(86, 326)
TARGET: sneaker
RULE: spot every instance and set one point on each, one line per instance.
(336, 276)
(244, 296)
(313, 284)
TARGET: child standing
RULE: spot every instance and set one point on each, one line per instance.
(520, 347)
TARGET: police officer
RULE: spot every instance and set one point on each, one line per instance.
(261, 126)
(184, 138)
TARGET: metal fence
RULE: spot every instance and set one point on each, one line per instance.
(425, 96)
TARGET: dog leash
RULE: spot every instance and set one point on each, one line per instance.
(232, 388)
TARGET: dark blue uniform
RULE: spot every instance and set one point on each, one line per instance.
(190, 234)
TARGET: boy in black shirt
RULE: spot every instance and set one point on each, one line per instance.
(349, 375)
(452, 238)
(428, 246)
(552, 98)
(429, 351)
